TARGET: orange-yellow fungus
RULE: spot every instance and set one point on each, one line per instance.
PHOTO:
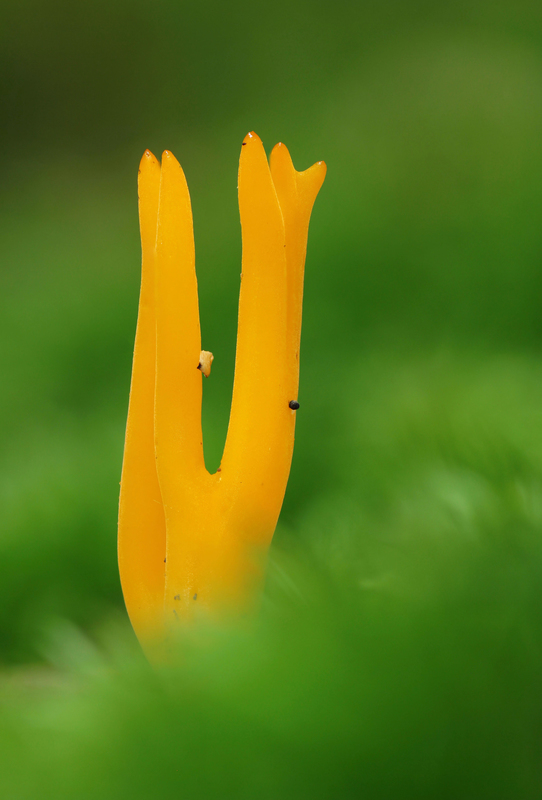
(191, 542)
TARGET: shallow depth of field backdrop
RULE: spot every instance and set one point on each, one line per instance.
(399, 651)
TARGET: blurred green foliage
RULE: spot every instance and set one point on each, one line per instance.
(399, 649)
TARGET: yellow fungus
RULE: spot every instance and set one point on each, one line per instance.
(184, 534)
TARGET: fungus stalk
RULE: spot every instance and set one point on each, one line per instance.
(192, 543)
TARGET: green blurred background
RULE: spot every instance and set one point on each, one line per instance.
(399, 652)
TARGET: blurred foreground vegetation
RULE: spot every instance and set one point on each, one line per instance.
(399, 649)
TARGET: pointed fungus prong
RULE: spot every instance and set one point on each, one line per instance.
(142, 531)
(258, 444)
(296, 192)
(179, 451)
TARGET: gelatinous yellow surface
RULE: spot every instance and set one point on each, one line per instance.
(192, 543)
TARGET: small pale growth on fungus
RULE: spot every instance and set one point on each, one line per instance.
(205, 360)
